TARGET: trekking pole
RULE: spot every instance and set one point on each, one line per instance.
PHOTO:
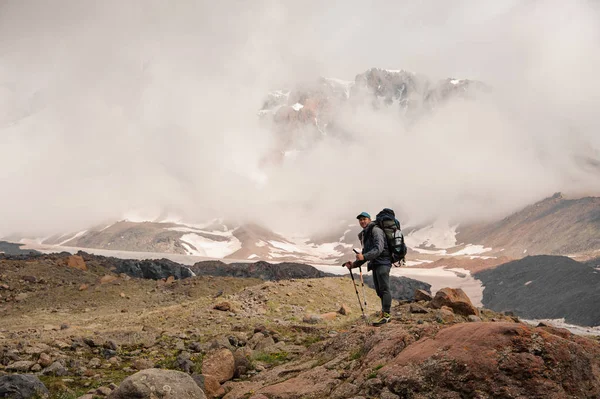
(362, 283)
(357, 295)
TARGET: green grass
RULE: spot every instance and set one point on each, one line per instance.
(272, 359)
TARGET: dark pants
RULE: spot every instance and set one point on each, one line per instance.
(381, 280)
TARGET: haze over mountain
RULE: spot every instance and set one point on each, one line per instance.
(156, 115)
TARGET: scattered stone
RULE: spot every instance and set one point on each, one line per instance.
(329, 316)
(108, 279)
(344, 310)
(56, 369)
(36, 367)
(22, 365)
(21, 296)
(473, 319)
(143, 364)
(264, 343)
(29, 279)
(19, 386)
(61, 344)
(170, 280)
(311, 318)
(416, 308)
(422, 295)
(83, 287)
(104, 391)
(223, 306)
(94, 363)
(155, 383)
(45, 360)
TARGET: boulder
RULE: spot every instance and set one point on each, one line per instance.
(76, 262)
(456, 299)
(158, 384)
(210, 385)
(22, 386)
(219, 364)
(422, 295)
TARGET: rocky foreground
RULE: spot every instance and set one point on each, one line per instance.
(75, 328)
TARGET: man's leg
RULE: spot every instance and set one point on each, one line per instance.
(381, 274)
(376, 282)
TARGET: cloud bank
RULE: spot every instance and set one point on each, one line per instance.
(149, 107)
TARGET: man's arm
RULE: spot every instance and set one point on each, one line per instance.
(379, 240)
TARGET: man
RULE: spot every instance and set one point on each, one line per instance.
(375, 251)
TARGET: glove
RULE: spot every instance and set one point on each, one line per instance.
(348, 264)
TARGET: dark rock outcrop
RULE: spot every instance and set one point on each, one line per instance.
(22, 386)
(544, 287)
(10, 248)
(262, 270)
(402, 288)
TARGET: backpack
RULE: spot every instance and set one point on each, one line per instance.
(386, 220)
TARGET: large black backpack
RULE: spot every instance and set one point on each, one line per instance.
(386, 220)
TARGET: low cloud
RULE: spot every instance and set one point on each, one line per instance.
(150, 108)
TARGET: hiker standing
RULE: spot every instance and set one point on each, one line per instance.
(375, 251)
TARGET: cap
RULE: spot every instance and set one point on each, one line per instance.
(363, 215)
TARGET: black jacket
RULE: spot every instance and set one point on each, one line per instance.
(375, 248)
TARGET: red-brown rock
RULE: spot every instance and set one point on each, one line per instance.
(456, 299)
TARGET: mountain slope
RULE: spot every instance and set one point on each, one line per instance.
(553, 226)
(544, 287)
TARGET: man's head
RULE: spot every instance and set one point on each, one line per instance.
(364, 219)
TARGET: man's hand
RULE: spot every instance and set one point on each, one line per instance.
(360, 257)
(348, 264)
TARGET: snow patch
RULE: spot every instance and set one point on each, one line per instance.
(297, 106)
(253, 256)
(529, 282)
(74, 237)
(207, 247)
(439, 235)
(560, 323)
(471, 249)
(429, 251)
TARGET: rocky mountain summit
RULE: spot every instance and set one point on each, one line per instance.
(74, 328)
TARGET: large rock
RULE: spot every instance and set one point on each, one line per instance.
(22, 386)
(456, 299)
(496, 360)
(154, 269)
(76, 262)
(209, 385)
(157, 384)
(220, 364)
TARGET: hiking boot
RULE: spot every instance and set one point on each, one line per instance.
(385, 318)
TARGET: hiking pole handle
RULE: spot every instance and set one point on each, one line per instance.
(355, 251)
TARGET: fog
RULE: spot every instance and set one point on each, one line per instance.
(111, 108)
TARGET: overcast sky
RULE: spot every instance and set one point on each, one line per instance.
(116, 108)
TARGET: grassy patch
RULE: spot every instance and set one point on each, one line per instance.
(272, 359)
(357, 354)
